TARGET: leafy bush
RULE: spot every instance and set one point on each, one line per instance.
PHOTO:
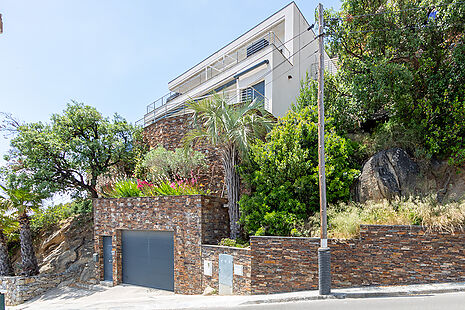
(160, 163)
(47, 218)
(238, 243)
(82, 206)
(164, 187)
(168, 188)
(283, 174)
(122, 188)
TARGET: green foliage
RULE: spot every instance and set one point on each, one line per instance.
(344, 219)
(122, 188)
(227, 126)
(47, 218)
(235, 243)
(164, 164)
(168, 188)
(73, 150)
(19, 200)
(164, 187)
(231, 128)
(283, 174)
(82, 206)
(408, 74)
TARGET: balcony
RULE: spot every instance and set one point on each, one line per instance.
(230, 59)
(175, 107)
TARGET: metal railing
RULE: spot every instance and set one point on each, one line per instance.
(230, 59)
(233, 96)
(330, 66)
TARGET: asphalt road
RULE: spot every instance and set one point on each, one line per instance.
(449, 301)
(130, 297)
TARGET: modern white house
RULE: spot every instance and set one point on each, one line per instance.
(267, 62)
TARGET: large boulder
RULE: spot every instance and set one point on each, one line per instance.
(386, 175)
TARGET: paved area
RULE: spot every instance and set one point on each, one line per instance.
(135, 297)
(449, 301)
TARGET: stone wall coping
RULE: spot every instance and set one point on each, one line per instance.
(288, 237)
(393, 226)
(225, 247)
(163, 197)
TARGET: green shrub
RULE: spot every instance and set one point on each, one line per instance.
(168, 188)
(283, 174)
(160, 163)
(122, 188)
(238, 243)
(164, 187)
(47, 218)
(82, 206)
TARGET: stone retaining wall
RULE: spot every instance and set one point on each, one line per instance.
(19, 289)
(383, 255)
(169, 132)
(241, 256)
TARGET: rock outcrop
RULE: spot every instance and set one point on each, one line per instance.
(392, 173)
(68, 248)
(386, 175)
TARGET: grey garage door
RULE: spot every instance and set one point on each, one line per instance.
(148, 258)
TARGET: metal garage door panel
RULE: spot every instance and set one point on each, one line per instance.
(148, 258)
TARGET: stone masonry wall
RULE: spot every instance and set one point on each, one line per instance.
(383, 255)
(169, 132)
(19, 289)
(181, 214)
(241, 284)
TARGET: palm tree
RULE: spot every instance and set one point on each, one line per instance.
(7, 224)
(231, 129)
(23, 201)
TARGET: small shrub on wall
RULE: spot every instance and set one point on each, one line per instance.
(161, 163)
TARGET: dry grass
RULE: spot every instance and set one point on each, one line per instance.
(345, 219)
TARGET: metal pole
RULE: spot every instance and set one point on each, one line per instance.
(324, 268)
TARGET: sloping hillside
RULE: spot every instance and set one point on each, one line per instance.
(69, 246)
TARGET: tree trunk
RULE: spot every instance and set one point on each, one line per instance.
(5, 263)
(230, 159)
(28, 257)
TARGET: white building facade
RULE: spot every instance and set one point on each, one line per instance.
(266, 63)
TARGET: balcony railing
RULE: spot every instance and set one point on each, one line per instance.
(233, 96)
(231, 58)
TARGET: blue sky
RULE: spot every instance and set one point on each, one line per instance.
(117, 56)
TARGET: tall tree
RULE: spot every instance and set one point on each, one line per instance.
(231, 129)
(22, 201)
(402, 65)
(74, 149)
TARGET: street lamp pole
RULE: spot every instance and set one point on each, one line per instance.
(324, 255)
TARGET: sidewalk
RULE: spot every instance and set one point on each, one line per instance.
(362, 292)
(134, 297)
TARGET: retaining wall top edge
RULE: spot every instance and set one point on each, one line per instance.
(162, 196)
(286, 237)
(224, 247)
(393, 226)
